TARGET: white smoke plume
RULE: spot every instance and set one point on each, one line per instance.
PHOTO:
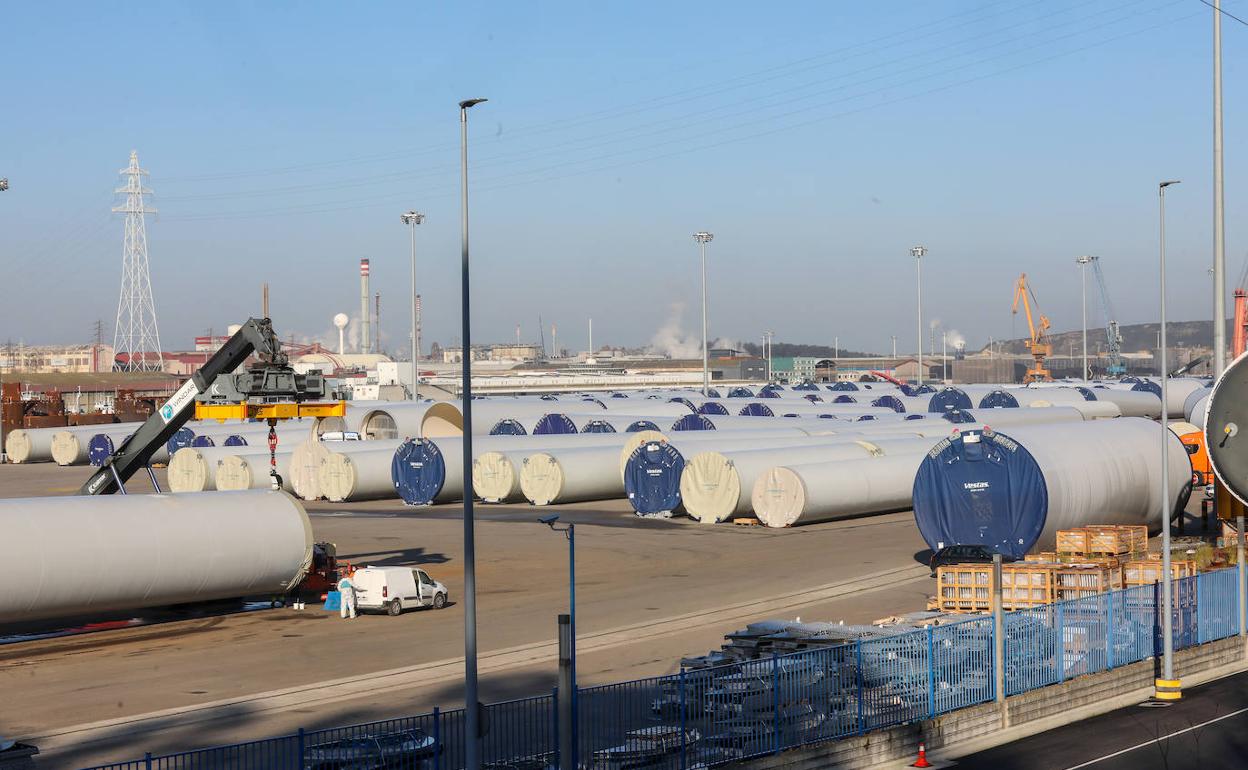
(672, 340)
(329, 338)
(956, 340)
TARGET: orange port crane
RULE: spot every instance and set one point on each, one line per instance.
(1039, 343)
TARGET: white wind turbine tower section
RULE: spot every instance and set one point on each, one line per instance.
(135, 332)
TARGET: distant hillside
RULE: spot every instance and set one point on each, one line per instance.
(781, 349)
(1135, 338)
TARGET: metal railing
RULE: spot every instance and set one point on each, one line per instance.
(709, 716)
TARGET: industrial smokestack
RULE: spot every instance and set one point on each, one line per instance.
(364, 311)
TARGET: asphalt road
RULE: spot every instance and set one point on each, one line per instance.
(1206, 730)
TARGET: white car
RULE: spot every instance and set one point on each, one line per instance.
(394, 589)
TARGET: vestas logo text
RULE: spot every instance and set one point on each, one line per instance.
(975, 485)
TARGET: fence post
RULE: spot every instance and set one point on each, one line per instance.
(1200, 623)
(858, 676)
(1157, 628)
(301, 743)
(998, 635)
(567, 691)
(775, 702)
(1109, 630)
(147, 758)
(1061, 641)
(437, 738)
(683, 761)
(1241, 584)
(931, 673)
(554, 720)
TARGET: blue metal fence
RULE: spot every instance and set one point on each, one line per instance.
(708, 716)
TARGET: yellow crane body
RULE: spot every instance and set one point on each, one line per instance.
(1038, 343)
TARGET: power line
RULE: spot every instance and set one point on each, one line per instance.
(682, 123)
(1225, 12)
(668, 99)
(490, 184)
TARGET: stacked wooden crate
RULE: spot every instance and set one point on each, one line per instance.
(1145, 572)
(1077, 581)
(968, 588)
(1102, 540)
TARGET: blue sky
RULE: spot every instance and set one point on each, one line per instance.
(818, 141)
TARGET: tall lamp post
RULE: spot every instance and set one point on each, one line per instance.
(1219, 225)
(568, 705)
(1166, 688)
(1083, 263)
(703, 238)
(4, 185)
(917, 252)
(472, 703)
(413, 218)
(944, 356)
(766, 351)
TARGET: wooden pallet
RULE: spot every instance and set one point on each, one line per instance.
(746, 521)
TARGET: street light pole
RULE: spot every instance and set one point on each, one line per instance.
(1083, 262)
(894, 345)
(766, 351)
(944, 356)
(703, 238)
(413, 218)
(4, 185)
(917, 252)
(1219, 223)
(472, 703)
(1167, 688)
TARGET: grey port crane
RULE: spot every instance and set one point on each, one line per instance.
(1113, 335)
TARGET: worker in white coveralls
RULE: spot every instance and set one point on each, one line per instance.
(346, 590)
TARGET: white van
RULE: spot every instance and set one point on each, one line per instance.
(394, 589)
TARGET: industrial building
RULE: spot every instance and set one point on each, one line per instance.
(63, 359)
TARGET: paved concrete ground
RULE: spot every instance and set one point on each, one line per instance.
(649, 591)
(1206, 730)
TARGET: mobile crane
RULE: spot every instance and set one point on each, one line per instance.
(269, 389)
(1039, 343)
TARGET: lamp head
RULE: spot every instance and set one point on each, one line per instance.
(411, 217)
(918, 251)
(549, 520)
(1167, 183)
(1085, 259)
(471, 103)
(703, 237)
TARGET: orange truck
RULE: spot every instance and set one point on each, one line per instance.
(1202, 471)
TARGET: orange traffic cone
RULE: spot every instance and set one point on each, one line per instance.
(922, 760)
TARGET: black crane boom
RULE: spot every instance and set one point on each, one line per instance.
(255, 336)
